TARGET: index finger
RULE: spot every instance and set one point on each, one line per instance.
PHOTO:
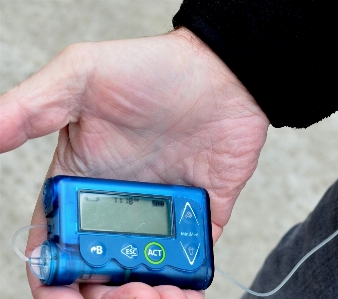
(48, 292)
(137, 290)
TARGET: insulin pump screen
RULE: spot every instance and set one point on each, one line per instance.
(123, 213)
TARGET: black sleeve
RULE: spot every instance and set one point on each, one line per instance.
(283, 51)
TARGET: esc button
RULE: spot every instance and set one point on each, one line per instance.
(154, 253)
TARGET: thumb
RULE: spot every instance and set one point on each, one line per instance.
(47, 101)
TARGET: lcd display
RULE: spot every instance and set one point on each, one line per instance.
(125, 213)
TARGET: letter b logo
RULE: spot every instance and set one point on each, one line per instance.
(99, 250)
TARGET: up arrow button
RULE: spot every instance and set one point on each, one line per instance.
(188, 214)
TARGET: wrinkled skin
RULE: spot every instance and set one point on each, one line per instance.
(162, 109)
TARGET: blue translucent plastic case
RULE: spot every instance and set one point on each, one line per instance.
(114, 232)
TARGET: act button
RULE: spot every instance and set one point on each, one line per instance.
(154, 253)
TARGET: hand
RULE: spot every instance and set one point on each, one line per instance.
(162, 109)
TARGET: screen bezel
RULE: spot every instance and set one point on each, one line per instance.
(171, 216)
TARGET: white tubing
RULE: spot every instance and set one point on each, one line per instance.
(287, 278)
(16, 249)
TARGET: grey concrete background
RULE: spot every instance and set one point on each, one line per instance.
(295, 167)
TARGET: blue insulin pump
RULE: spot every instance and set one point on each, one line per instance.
(115, 232)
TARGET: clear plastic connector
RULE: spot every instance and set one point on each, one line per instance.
(40, 258)
(39, 262)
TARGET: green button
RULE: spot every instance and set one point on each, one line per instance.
(154, 253)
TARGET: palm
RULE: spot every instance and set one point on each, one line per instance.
(175, 124)
(158, 110)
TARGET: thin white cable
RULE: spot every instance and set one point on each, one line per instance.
(287, 278)
(16, 249)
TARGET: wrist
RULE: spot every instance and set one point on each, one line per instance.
(191, 42)
(220, 77)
